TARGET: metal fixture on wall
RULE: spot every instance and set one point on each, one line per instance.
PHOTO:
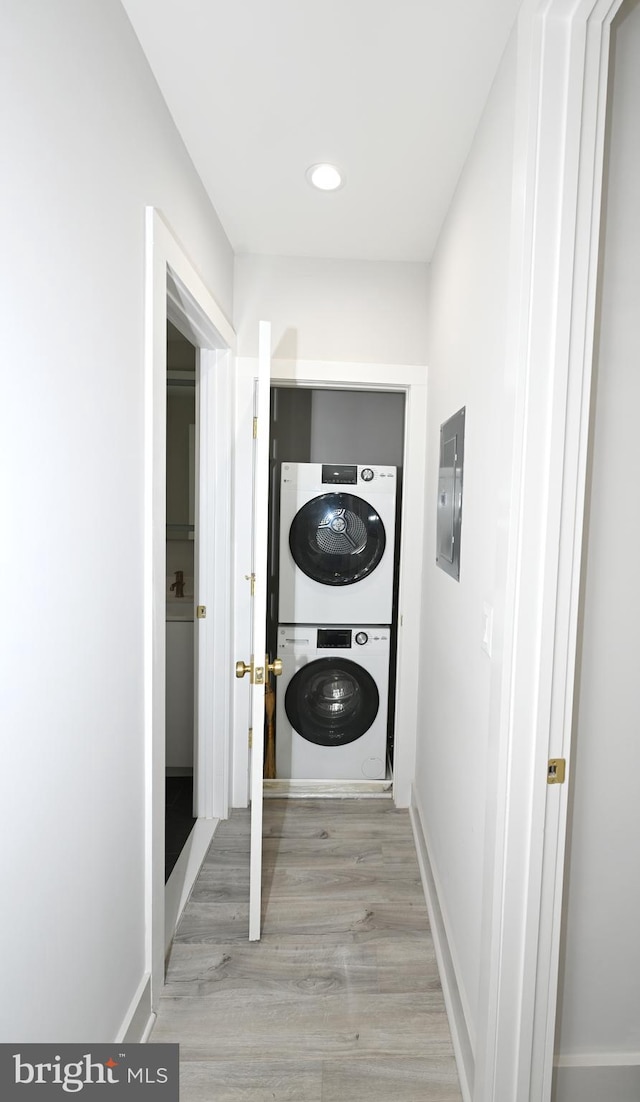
(449, 511)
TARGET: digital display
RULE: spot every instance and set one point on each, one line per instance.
(339, 474)
(334, 637)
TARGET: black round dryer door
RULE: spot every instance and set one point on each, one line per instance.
(332, 701)
(337, 539)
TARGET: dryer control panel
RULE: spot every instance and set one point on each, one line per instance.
(349, 474)
(339, 474)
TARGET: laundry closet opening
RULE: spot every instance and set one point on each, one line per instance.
(334, 553)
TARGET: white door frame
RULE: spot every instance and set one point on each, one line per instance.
(173, 289)
(412, 382)
(560, 126)
(258, 654)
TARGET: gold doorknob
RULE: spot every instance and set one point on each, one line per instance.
(274, 667)
(242, 668)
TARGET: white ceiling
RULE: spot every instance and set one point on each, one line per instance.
(390, 90)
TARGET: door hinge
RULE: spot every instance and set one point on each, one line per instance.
(251, 738)
(255, 427)
(201, 612)
(556, 770)
(253, 585)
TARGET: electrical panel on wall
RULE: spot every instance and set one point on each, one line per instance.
(449, 513)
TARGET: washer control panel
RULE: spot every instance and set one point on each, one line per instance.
(339, 638)
(334, 638)
(314, 639)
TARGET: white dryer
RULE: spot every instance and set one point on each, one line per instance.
(337, 534)
(332, 703)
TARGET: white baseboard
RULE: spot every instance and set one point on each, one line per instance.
(591, 1082)
(149, 1026)
(597, 1060)
(457, 1022)
(294, 789)
(139, 1018)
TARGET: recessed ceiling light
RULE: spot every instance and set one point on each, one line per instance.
(325, 177)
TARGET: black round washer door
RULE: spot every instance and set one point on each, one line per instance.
(337, 539)
(332, 701)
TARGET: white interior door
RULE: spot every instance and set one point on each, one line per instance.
(258, 665)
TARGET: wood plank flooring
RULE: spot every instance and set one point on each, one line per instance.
(340, 1001)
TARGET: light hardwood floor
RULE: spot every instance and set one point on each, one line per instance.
(340, 1001)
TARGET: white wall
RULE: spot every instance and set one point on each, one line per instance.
(91, 143)
(466, 360)
(599, 1018)
(359, 311)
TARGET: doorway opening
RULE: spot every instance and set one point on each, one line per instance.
(358, 431)
(175, 292)
(182, 535)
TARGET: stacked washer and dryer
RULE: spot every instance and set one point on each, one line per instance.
(337, 539)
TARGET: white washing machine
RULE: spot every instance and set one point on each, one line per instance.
(332, 702)
(337, 534)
